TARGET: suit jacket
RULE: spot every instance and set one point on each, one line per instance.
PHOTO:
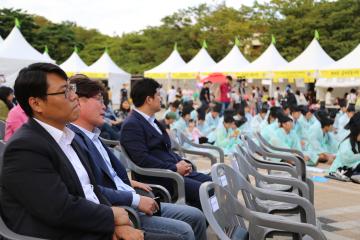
(41, 193)
(101, 172)
(146, 147)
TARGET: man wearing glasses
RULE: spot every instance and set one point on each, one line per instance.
(48, 190)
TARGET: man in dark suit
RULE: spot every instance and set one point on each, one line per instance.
(148, 144)
(48, 189)
(180, 220)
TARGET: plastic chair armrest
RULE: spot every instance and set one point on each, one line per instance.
(282, 223)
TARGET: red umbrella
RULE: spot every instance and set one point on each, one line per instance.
(215, 78)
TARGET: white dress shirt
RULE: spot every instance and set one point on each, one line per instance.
(64, 139)
(150, 119)
(120, 185)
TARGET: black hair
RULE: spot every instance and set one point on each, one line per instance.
(186, 110)
(229, 119)
(274, 111)
(351, 108)
(353, 90)
(228, 77)
(295, 109)
(123, 109)
(330, 89)
(342, 102)
(85, 87)
(354, 127)
(201, 115)
(5, 92)
(320, 114)
(32, 82)
(240, 122)
(142, 89)
(285, 105)
(216, 108)
(263, 110)
(176, 104)
(326, 121)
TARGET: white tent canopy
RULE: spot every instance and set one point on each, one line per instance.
(350, 61)
(105, 67)
(162, 71)
(47, 56)
(1, 40)
(269, 61)
(349, 64)
(312, 58)
(74, 64)
(233, 62)
(201, 63)
(306, 66)
(16, 53)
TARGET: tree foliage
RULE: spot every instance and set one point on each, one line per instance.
(293, 23)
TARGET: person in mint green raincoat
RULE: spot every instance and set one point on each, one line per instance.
(212, 121)
(257, 121)
(285, 137)
(321, 145)
(181, 124)
(306, 120)
(226, 137)
(295, 115)
(348, 155)
(342, 133)
(268, 127)
(342, 111)
(173, 107)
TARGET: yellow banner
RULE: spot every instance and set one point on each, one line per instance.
(69, 74)
(156, 75)
(308, 76)
(254, 75)
(96, 75)
(342, 73)
(185, 75)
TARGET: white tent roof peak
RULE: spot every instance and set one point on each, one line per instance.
(202, 62)
(15, 46)
(1, 40)
(313, 57)
(15, 54)
(350, 61)
(105, 65)
(173, 62)
(269, 60)
(73, 64)
(47, 56)
(232, 62)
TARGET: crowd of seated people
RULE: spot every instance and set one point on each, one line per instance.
(59, 181)
(67, 184)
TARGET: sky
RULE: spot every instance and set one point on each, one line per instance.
(112, 17)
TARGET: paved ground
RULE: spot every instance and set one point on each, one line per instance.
(337, 207)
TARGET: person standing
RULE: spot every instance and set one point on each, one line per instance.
(123, 93)
(205, 96)
(225, 90)
(171, 95)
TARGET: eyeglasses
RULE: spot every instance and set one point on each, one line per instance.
(70, 88)
(99, 98)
